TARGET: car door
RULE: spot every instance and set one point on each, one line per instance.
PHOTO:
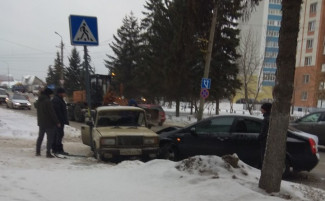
(319, 129)
(307, 123)
(244, 140)
(208, 137)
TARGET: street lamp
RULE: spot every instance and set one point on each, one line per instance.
(62, 66)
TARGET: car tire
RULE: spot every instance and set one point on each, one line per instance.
(168, 151)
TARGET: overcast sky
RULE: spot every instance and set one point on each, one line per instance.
(28, 44)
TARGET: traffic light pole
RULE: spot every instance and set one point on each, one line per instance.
(208, 59)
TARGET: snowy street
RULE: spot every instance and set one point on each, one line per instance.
(24, 176)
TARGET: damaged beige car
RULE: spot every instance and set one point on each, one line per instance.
(120, 132)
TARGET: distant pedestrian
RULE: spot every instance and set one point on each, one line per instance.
(60, 109)
(47, 122)
(266, 111)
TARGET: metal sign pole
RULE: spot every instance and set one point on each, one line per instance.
(87, 81)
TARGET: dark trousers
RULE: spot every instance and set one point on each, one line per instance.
(50, 133)
(57, 144)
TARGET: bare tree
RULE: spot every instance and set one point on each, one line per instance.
(274, 160)
(250, 67)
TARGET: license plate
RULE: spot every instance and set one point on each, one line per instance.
(130, 152)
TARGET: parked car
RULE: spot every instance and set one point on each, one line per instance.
(18, 101)
(229, 134)
(313, 123)
(156, 115)
(120, 132)
(3, 96)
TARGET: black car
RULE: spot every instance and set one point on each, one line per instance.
(228, 134)
(313, 123)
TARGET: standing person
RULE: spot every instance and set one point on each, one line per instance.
(47, 122)
(60, 109)
(266, 111)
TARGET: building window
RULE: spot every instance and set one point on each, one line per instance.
(306, 79)
(321, 85)
(308, 61)
(275, 12)
(271, 54)
(311, 26)
(276, 23)
(268, 76)
(323, 67)
(310, 43)
(304, 95)
(272, 33)
(313, 8)
(275, 1)
(272, 44)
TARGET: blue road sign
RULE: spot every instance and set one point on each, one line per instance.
(83, 30)
(205, 83)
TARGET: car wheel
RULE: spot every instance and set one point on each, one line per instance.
(168, 151)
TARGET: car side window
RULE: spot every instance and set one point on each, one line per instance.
(323, 117)
(311, 118)
(253, 126)
(216, 125)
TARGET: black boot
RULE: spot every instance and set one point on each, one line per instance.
(49, 155)
(38, 154)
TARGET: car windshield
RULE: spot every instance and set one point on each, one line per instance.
(2, 92)
(121, 118)
(19, 97)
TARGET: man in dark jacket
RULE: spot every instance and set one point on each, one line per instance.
(47, 122)
(60, 109)
(266, 111)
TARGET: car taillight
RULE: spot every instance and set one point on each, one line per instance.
(162, 115)
(313, 146)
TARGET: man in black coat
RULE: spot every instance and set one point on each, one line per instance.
(60, 109)
(47, 121)
(266, 111)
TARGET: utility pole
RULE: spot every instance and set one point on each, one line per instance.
(62, 65)
(208, 59)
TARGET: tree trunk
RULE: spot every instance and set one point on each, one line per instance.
(217, 106)
(177, 107)
(274, 159)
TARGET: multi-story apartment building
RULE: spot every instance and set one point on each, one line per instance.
(309, 86)
(264, 23)
(274, 17)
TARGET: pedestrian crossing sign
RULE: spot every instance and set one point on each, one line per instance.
(83, 30)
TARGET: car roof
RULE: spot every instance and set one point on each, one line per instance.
(237, 115)
(103, 108)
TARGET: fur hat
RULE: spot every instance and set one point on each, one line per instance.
(267, 107)
(60, 91)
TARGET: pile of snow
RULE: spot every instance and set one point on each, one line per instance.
(24, 176)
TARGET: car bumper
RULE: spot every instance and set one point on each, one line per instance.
(304, 163)
(21, 106)
(148, 152)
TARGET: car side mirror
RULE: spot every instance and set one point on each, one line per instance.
(193, 131)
